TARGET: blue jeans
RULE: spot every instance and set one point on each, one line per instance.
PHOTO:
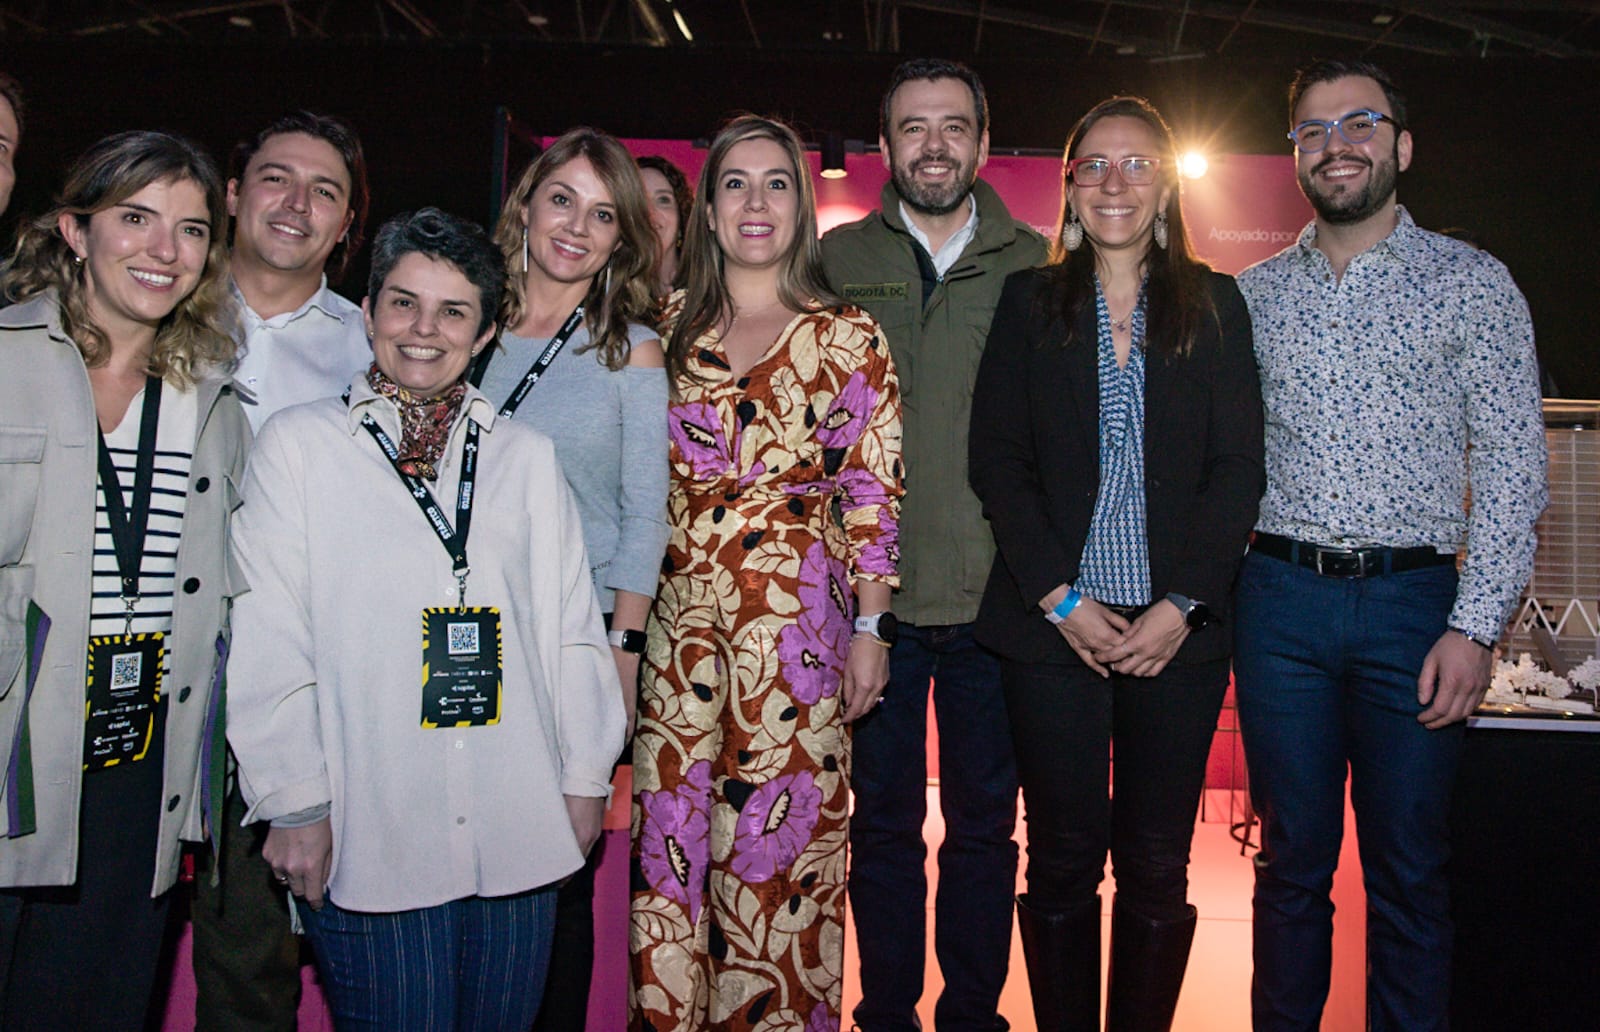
(470, 965)
(978, 860)
(1326, 676)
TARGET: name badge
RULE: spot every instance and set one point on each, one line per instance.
(461, 667)
(863, 293)
(120, 708)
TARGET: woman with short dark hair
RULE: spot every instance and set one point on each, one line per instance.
(1116, 445)
(120, 445)
(422, 702)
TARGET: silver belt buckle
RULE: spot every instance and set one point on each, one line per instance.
(1355, 553)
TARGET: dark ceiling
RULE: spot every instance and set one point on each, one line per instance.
(1161, 30)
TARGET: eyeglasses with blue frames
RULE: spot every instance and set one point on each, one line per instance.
(1312, 135)
(1135, 171)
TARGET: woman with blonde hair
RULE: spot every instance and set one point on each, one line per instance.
(120, 448)
(580, 361)
(786, 405)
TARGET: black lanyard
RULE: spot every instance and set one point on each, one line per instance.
(128, 530)
(540, 364)
(453, 539)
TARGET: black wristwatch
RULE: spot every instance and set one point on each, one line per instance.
(1195, 613)
(627, 641)
(882, 626)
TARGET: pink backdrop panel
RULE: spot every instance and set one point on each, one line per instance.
(1245, 208)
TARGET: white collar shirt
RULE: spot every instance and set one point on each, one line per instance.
(312, 352)
(946, 256)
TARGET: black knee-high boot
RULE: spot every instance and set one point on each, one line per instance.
(1063, 953)
(1148, 958)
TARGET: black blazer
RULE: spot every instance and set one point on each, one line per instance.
(1034, 461)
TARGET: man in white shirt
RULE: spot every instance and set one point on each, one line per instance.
(298, 198)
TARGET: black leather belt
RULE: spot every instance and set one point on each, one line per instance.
(1349, 562)
(1126, 612)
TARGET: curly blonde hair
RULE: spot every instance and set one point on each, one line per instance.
(196, 333)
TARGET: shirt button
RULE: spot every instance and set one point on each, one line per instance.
(461, 820)
(202, 485)
(460, 744)
(172, 804)
(183, 696)
(191, 585)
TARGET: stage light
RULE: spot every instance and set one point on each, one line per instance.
(833, 156)
(1193, 165)
(683, 24)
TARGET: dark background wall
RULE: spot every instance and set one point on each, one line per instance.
(1504, 147)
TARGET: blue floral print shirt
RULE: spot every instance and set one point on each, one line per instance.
(1387, 392)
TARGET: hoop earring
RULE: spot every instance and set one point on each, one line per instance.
(524, 250)
(1072, 232)
(1160, 230)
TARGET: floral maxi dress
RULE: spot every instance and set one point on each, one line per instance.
(741, 763)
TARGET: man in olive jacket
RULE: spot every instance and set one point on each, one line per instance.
(929, 265)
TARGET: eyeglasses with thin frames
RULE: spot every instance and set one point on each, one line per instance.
(1312, 135)
(1135, 170)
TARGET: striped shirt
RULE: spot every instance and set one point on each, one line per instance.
(174, 450)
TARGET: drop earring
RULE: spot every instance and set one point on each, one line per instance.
(524, 249)
(1072, 232)
(1159, 230)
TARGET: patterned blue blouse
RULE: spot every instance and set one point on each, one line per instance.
(1390, 388)
(1115, 567)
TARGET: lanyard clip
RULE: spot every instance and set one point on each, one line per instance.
(129, 601)
(461, 587)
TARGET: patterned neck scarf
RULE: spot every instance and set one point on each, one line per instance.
(424, 422)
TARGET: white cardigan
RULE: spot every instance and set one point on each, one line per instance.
(324, 683)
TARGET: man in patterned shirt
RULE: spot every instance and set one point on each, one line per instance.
(1385, 351)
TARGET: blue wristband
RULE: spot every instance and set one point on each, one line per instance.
(1064, 608)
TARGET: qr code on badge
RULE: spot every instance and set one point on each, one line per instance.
(126, 671)
(463, 639)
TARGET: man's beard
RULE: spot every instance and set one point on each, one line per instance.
(1344, 206)
(934, 200)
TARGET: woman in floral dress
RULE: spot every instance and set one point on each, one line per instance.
(786, 403)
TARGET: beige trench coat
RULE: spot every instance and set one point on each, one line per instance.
(47, 515)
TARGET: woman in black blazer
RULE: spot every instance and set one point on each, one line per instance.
(1117, 447)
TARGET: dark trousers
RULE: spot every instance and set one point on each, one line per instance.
(246, 961)
(978, 860)
(566, 995)
(1326, 674)
(470, 965)
(1066, 721)
(84, 956)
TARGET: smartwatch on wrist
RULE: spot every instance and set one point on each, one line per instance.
(1196, 614)
(882, 626)
(627, 641)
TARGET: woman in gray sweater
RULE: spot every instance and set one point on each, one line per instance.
(581, 362)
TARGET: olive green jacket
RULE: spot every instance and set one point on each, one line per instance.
(945, 545)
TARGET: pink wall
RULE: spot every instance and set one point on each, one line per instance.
(1246, 207)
